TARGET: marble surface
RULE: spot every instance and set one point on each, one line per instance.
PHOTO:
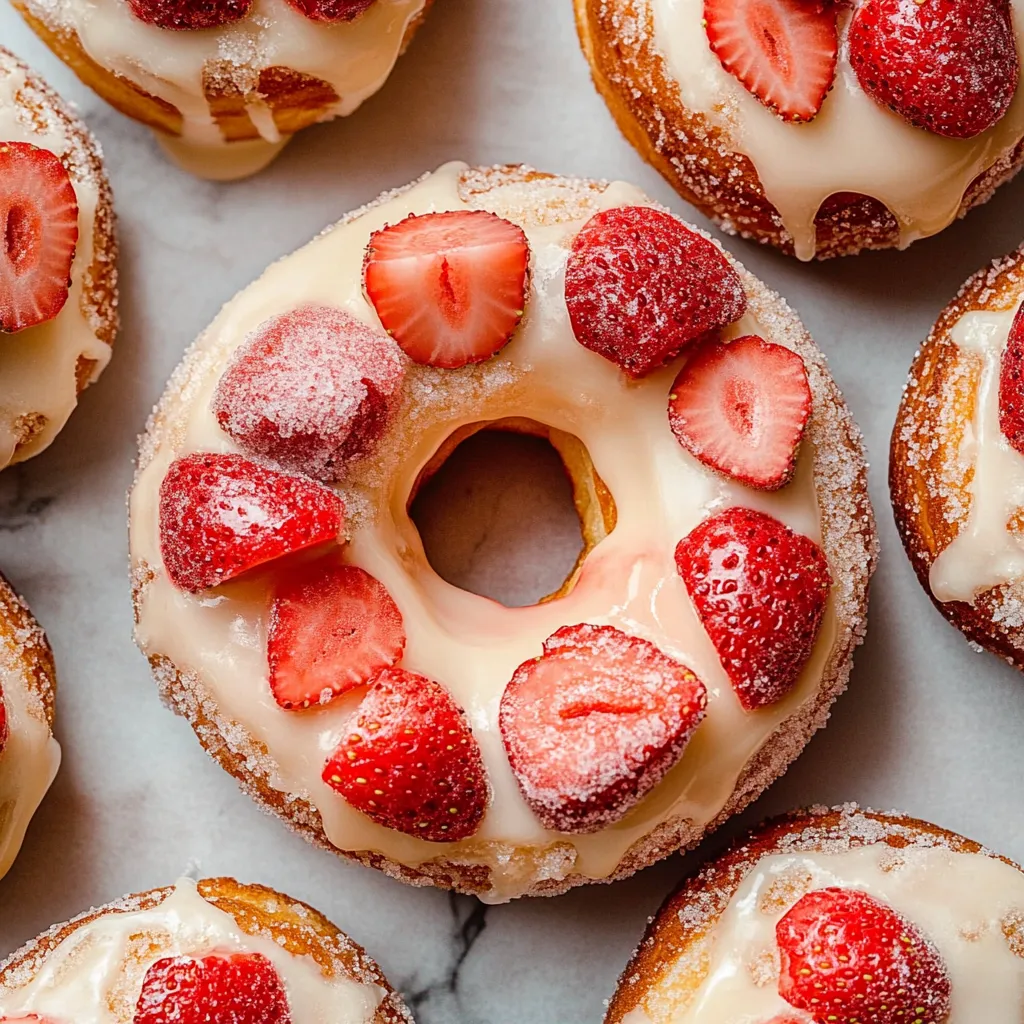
(928, 725)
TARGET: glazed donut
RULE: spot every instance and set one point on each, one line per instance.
(327, 392)
(226, 83)
(821, 129)
(244, 952)
(29, 755)
(835, 917)
(58, 276)
(956, 466)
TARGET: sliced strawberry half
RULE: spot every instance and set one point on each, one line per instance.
(38, 235)
(332, 11)
(847, 958)
(641, 286)
(783, 52)
(594, 723)
(741, 408)
(410, 761)
(332, 628)
(189, 15)
(450, 287)
(1011, 385)
(221, 515)
(228, 988)
(760, 591)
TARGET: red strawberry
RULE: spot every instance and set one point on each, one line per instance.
(741, 408)
(3, 722)
(640, 286)
(332, 10)
(228, 988)
(311, 389)
(760, 590)
(450, 288)
(594, 723)
(783, 52)
(221, 515)
(1011, 385)
(410, 760)
(332, 628)
(950, 66)
(189, 14)
(38, 235)
(849, 959)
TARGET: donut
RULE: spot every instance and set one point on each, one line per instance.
(29, 755)
(214, 950)
(434, 733)
(835, 916)
(226, 83)
(820, 129)
(956, 466)
(58, 276)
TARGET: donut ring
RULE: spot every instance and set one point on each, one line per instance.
(53, 362)
(319, 966)
(30, 756)
(830, 475)
(681, 959)
(700, 149)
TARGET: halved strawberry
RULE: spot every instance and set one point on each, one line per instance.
(3, 721)
(410, 761)
(640, 286)
(741, 408)
(332, 628)
(223, 988)
(450, 287)
(949, 66)
(760, 590)
(221, 515)
(783, 52)
(1011, 384)
(38, 235)
(332, 11)
(189, 14)
(848, 958)
(594, 723)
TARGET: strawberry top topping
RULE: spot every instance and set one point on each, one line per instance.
(189, 14)
(1011, 385)
(640, 286)
(332, 11)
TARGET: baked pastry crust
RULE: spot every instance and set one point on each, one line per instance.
(25, 651)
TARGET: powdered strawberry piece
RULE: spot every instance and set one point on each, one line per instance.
(741, 408)
(849, 959)
(640, 286)
(410, 761)
(594, 723)
(38, 235)
(229, 988)
(189, 14)
(221, 515)
(331, 628)
(331, 11)
(1011, 385)
(783, 52)
(950, 66)
(760, 590)
(450, 288)
(311, 389)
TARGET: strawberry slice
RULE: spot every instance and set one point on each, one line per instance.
(1011, 384)
(410, 761)
(594, 723)
(949, 67)
(332, 628)
(332, 11)
(450, 288)
(3, 721)
(760, 590)
(847, 958)
(221, 515)
(783, 52)
(311, 389)
(38, 235)
(640, 286)
(741, 408)
(227, 988)
(189, 15)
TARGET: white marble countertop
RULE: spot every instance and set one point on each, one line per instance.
(928, 725)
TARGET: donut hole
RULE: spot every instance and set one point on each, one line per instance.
(509, 510)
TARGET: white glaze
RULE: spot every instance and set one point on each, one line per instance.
(92, 967)
(852, 145)
(470, 643)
